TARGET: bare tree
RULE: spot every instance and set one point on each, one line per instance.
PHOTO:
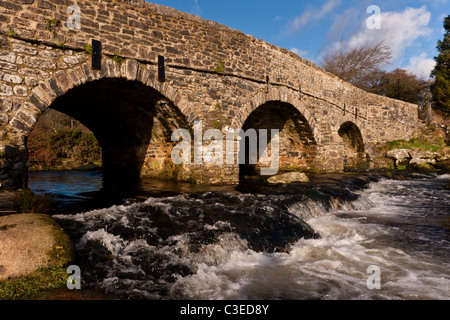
(53, 120)
(56, 120)
(398, 84)
(353, 65)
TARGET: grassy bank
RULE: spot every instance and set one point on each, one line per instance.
(33, 285)
(420, 144)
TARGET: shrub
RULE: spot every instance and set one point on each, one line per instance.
(80, 146)
(31, 202)
(89, 49)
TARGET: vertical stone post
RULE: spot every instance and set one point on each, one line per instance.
(13, 167)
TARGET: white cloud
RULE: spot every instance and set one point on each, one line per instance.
(343, 22)
(312, 15)
(299, 52)
(421, 66)
(399, 30)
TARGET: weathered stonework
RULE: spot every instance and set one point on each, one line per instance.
(133, 114)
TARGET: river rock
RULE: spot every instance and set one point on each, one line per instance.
(443, 166)
(29, 242)
(400, 156)
(444, 155)
(289, 178)
(423, 157)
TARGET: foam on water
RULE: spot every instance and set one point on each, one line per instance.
(333, 267)
(128, 253)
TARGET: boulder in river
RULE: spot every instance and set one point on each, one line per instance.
(401, 157)
(423, 157)
(289, 178)
(29, 242)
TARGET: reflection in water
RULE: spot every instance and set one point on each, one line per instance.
(76, 191)
(64, 186)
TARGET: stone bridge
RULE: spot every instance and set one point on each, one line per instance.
(158, 70)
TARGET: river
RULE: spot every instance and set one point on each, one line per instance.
(364, 238)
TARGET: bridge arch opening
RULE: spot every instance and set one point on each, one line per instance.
(297, 145)
(354, 143)
(133, 124)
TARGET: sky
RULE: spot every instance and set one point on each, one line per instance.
(411, 28)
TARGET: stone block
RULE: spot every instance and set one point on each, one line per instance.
(20, 48)
(43, 94)
(64, 81)
(37, 103)
(6, 90)
(129, 69)
(21, 91)
(8, 56)
(5, 105)
(40, 63)
(54, 86)
(8, 66)
(11, 78)
(19, 125)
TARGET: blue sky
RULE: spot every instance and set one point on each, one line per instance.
(311, 28)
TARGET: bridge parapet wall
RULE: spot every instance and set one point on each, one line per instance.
(140, 30)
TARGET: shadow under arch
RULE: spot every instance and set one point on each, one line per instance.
(353, 140)
(298, 147)
(132, 122)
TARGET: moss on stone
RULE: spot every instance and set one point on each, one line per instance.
(51, 246)
(422, 167)
(63, 250)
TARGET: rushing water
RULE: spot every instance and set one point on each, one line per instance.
(293, 242)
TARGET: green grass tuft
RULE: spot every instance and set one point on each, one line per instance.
(25, 287)
(220, 68)
(31, 202)
(89, 49)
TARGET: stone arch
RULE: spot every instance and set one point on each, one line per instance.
(129, 111)
(298, 146)
(46, 92)
(353, 141)
(281, 94)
